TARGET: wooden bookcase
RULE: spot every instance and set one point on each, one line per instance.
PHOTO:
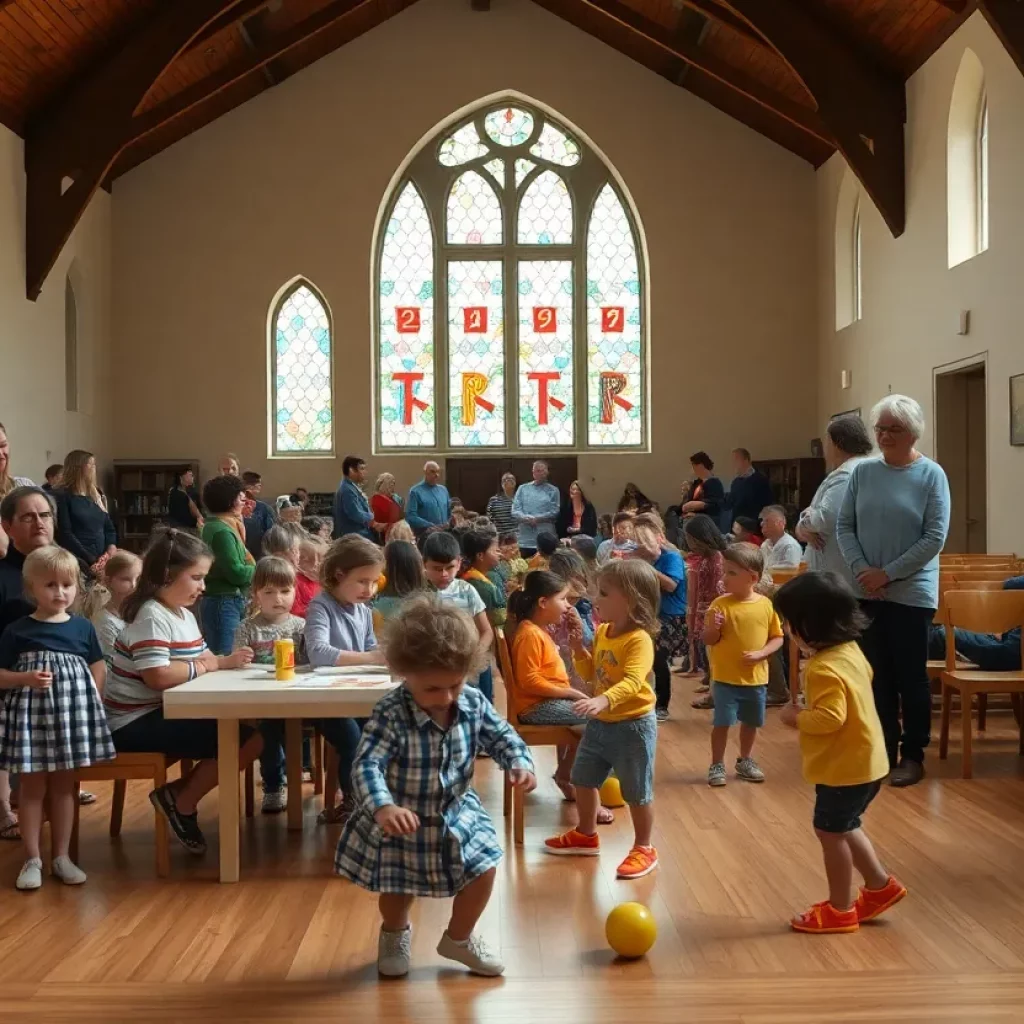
(793, 481)
(141, 489)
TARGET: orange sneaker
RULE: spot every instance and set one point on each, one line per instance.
(640, 861)
(824, 919)
(872, 902)
(573, 844)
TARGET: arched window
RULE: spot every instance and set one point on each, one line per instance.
(510, 294)
(70, 347)
(301, 383)
(849, 287)
(967, 162)
(858, 309)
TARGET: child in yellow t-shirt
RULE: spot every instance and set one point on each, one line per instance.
(622, 731)
(741, 632)
(843, 748)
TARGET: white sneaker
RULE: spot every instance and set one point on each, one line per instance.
(474, 953)
(31, 875)
(716, 774)
(393, 952)
(67, 871)
(274, 801)
(747, 768)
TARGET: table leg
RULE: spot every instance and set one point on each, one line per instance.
(293, 771)
(227, 780)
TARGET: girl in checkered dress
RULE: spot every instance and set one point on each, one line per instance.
(419, 828)
(51, 717)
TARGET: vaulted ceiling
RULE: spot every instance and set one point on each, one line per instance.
(98, 86)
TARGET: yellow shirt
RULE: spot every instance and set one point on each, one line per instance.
(620, 668)
(748, 626)
(840, 735)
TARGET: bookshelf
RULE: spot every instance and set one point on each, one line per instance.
(793, 481)
(141, 489)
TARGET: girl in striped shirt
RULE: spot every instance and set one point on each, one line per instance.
(161, 647)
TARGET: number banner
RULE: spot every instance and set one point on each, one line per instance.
(613, 319)
(474, 320)
(407, 319)
(545, 319)
(409, 401)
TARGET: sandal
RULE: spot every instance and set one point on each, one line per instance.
(338, 814)
(605, 816)
(9, 831)
(705, 703)
(567, 788)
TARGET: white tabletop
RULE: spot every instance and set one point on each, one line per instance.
(253, 692)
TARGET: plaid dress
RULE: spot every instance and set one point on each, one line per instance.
(405, 758)
(62, 727)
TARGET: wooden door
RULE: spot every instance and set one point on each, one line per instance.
(474, 480)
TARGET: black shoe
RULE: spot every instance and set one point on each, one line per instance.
(661, 714)
(906, 773)
(184, 826)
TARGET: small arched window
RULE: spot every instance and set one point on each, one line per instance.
(967, 164)
(858, 292)
(849, 247)
(301, 382)
(983, 174)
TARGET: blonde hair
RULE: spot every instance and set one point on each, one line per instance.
(97, 597)
(648, 529)
(272, 571)
(75, 479)
(638, 583)
(6, 480)
(308, 543)
(51, 559)
(746, 556)
(430, 634)
(401, 531)
(351, 552)
(382, 479)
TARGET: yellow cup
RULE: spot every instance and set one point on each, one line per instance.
(284, 660)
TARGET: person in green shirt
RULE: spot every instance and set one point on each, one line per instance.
(480, 551)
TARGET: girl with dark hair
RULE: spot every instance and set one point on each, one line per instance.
(403, 571)
(705, 544)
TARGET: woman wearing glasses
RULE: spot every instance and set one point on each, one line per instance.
(891, 528)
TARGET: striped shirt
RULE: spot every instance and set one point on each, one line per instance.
(499, 511)
(157, 637)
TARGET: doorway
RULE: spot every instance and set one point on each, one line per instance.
(961, 448)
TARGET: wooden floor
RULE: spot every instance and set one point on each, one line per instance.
(292, 943)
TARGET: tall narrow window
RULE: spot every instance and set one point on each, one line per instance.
(302, 419)
(983, 174)
(510, 294)
(967, 163)
(848, 245)
(858, 292)
(70, 347)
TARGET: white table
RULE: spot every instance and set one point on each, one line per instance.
(253, 693)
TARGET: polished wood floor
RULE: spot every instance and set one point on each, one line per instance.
(292, 943)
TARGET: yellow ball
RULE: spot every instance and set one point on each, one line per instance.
(630, 930)
(611, 793)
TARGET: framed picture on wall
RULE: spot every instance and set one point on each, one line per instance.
(1017, 409)
(845, 412)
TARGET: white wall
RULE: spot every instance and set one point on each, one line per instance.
(291, 183)
(32, 391)
(912, 299)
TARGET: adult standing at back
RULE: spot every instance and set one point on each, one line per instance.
(7, 482)
(183, 503)
(750, 490)
(846, 443)
(535, 508)
(499, 507)
(84, 526)
(892, 525)
(429, 504)
(351, 507)
(706, 492)
(385, 504)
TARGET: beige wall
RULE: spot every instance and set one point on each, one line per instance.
(32, 395)
(912, 299)
(291, 183)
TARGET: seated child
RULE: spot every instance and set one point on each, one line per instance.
(412, 834)
(403, 567)
(604, 527)
(512, 567)
(621, 542)
(547, 545)
(746, 530)
(843, 748)
(401, 531)
(480, 553)
(741, 631)
(307, 574)
(118, 579)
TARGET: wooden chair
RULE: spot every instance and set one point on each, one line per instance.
(779, 577)
(514, 802)
(981, 612)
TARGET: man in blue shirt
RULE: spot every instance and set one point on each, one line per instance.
(351, 509)
(429, 504)
(535, 508)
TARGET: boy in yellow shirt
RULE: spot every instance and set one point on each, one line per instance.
(741, 632)
(843, 748)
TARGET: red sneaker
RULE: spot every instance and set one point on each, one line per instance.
(824, 919)
(640, 861)
(573, 844)
(872, 902)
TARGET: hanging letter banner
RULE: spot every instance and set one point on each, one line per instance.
(612, 386)
(473, 387)
(407, 381)
(545, 400)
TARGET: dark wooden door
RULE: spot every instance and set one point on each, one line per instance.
(475, 480)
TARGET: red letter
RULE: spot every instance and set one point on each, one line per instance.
(409, 400)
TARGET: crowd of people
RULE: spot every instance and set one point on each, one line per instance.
(601, 610)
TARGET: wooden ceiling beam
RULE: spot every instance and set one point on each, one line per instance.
(862, 105)
(672, 44)
(1007, 20)
(246, 9)
(80, 134)
(723, 16)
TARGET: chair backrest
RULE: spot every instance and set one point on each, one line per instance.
(984, 611)
(978, 575)
(944, 557)
(507, 675)
(949, 581)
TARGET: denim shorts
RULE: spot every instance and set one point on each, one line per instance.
(743, 704)
(838, 808)
(627, 748)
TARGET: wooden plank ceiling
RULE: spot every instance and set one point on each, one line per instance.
(48, 46)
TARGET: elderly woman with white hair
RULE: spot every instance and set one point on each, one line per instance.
(385, 504)
(891, 528)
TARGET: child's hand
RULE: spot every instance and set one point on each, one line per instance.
(789, 714)
(522, 779)
(576, 695)
(719, 619)
(398, 821)
(574, 624)
(38, 680)
(591, 707)
(753, 657)
(239, 659)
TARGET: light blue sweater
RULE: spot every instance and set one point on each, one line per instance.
(896, 519)
(535, 501)
(429, 505)
(333, 627)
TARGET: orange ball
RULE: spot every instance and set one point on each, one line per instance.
(630, 930)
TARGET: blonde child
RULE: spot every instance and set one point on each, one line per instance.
(339, 631)
(307, 576)
(103, 606)
(160, 648)
(51, 717)
(741, 632)
(843, 749)
(622, 732)
(401, 531)
(420, 829)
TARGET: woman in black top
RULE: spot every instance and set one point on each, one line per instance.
(706, 492)
(183, 503)
(83, 525)
(577, 517)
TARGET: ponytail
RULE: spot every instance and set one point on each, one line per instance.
(170, 554)
(538, 584)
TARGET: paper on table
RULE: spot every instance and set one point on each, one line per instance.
(338, 682)
(352, 670)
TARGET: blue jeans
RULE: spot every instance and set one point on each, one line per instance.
(485, 683)
(221, 615)
(342, 734)
(989, 653)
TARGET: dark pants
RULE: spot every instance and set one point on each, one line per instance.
(221, 614)
(342, 734)
(896, 645)
(671, 638)
(990, 653)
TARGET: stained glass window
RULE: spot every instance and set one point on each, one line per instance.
(535, 336)
(300, 367)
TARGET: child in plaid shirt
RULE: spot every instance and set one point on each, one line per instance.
(412, 835)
